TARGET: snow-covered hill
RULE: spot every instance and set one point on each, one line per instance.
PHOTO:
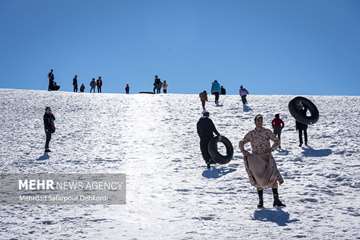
(170, 194)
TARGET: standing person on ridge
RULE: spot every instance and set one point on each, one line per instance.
(277, 125)
(51, 79)
(216, 89)
(243, 92)
(206, 129)
(302, 128)
(49, 127)
(157, 82)
(158, 86)
(127, 89)
(260, 164)
(92, 85)
(203, 98)
(99, 84)
(165, 86)
(75, 84)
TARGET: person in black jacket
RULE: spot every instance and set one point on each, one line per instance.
(206, 130)
(49, 126)
(301, 127)
(75, 84)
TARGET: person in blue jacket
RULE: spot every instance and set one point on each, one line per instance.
(216, 89)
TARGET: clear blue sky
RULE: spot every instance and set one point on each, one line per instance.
(270, 46)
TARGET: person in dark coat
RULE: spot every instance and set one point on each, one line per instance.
(75, 84)
(157, 84)
(302, 127)
(82, 88)
(92, 85)
(99, 84)
(127, 89)
(51, 78)
(49, 127)
(222, 90)
(206, 130)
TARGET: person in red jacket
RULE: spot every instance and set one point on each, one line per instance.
(278, 125)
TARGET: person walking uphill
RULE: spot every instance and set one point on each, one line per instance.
(216, 89)
(127, 89)
(49, 127)
(206, 130)
(243, 92)
(277, 125)
(203, 98)
(75, 84)
(302, 128)
(260, 164)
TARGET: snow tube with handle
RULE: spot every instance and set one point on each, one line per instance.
(215, 155)
(295, 106)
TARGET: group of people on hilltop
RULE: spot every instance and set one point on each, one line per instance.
(96, 85)
(158, 85)
(93, 85)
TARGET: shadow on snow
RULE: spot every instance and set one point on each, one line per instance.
(217, 172)
(277, 216)
(310, 152)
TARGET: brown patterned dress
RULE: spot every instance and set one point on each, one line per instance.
(260, 164)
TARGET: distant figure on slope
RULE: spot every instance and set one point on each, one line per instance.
(127, 89)
(301, 127)
(92, 85)
(51, 78)
(203, 98)
(215, 90)
(52, 84)
(164, 86)
(278, 125)
(49, 127)
(206, 130)
(75, 84)
(99, 84)
(82, 88)
(243, 93)
(260, 164)
(157, 84)
(222, 90)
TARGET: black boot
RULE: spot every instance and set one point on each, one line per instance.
(261, 199)
(277, 202)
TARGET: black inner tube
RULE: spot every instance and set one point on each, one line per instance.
(214, 153)
(295, 106)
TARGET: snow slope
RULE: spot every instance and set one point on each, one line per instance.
(170, 194)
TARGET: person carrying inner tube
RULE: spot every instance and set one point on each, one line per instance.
(203, 98)
(278, 125)
(302, 127)
(216, 89)
(206, 130)
(260, 164)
